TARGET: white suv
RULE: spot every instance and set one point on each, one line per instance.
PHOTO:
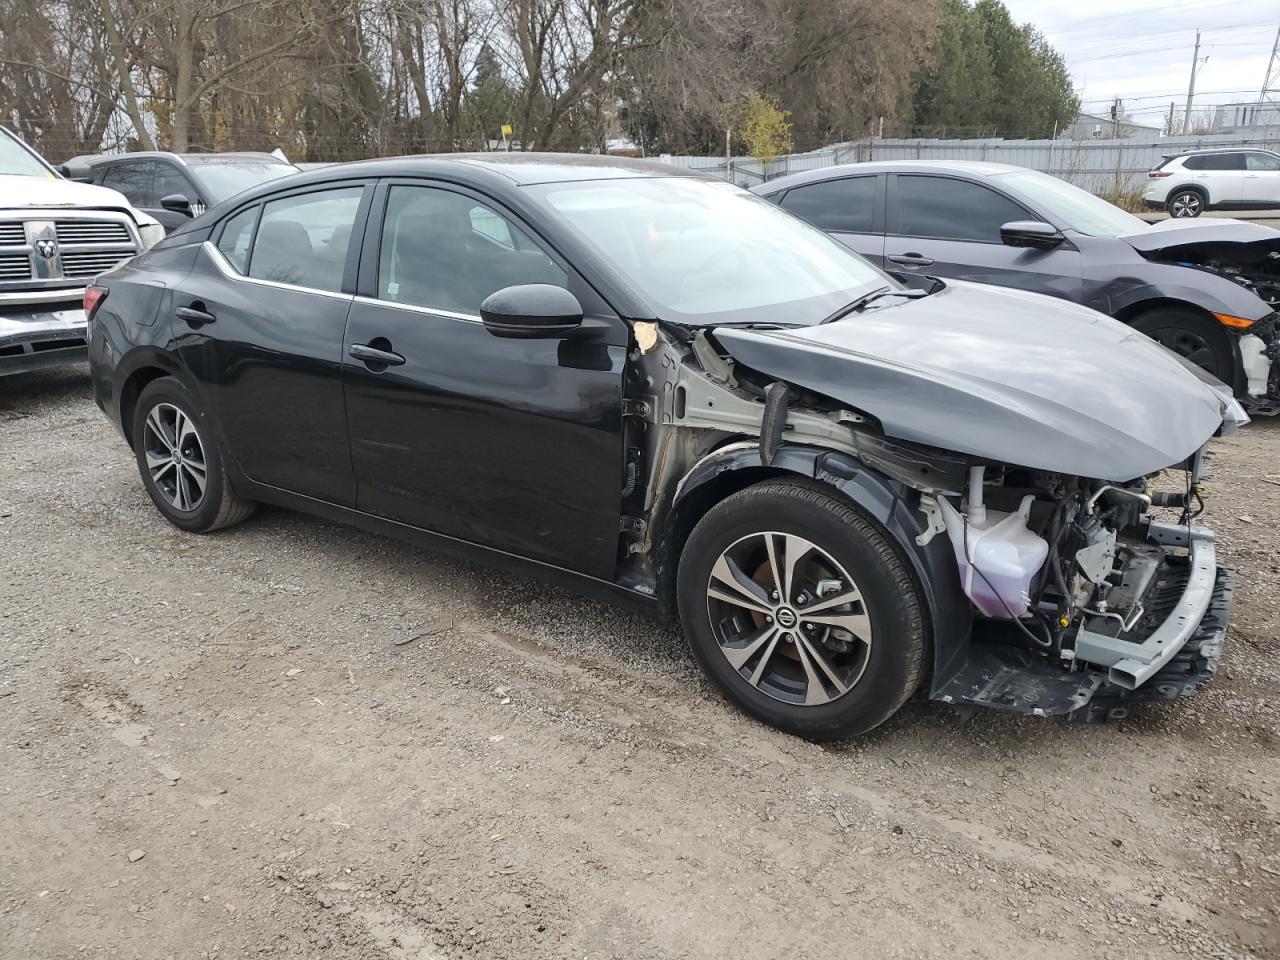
(55, 237)
(1187, 184)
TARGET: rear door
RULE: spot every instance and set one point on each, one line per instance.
(1262, 179)
(950, 227)
(259, 323)
(851, 209)
(1221, 174)
(513, 444)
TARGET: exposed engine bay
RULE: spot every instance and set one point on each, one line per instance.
(1253, 266)
(1081, 599)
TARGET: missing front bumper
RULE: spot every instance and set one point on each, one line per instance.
(996, 673)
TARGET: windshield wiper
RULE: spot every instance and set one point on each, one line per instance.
(871, 297)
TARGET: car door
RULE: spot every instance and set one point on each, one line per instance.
(1221, 175)
(950, 227)
(259, 323)
(513, 444)
(851, 209)
(1262, 179)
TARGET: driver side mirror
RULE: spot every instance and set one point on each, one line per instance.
(76, 170)
(1031, 233)
(531, 311)
(177, 203)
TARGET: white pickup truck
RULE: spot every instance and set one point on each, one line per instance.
(55, 237)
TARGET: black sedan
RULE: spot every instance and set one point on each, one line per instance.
(1207, 289)
(663, 390)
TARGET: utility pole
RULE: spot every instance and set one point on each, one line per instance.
(1115, 118)
(1191, 87)
(1172, 107)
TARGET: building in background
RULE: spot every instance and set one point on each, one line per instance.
(1089, 126)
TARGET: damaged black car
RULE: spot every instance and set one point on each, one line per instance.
(1206, 289)
(661, 390)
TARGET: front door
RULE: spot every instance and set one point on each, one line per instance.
(513, 444)
(259, 323)
(948, 227)
(1262, 179)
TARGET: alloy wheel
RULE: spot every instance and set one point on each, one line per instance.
(789, 618)
(1186, 205)
(175, 457)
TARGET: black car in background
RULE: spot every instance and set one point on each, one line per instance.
(661, 389)
(174, 187)
(1207, 289)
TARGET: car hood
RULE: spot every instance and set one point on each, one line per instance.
(1003, 375)
(17, 192)
(1170, 235)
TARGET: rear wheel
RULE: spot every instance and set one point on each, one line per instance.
(1185, 203)
(800, 610)
(1192, 335)
(180, 461)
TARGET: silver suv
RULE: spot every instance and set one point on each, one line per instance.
(1187, 184)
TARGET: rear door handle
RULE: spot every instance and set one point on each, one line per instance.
(910, 260)
(375, 357)
(194, 315)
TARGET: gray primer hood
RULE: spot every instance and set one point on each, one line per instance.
(1172, 234)
(1007, 376)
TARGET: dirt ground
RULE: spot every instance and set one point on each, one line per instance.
(215, 747)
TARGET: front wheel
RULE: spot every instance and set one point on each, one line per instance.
(180, 462)
(800, 610)
(1185, 203)
(1192, 335)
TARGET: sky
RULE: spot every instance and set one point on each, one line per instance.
(1140, 50)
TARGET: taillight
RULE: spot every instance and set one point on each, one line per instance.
(1160, 173)
(93, 297)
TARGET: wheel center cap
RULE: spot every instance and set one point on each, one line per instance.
(786, 617)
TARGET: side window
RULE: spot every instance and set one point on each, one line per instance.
(1261, 161)
(1193, 163)
(236, 236)
(1222, 161)
(303, 240)
(947, 209)
(133, 179)
(446, 251)
(845, 205)
(170, 180)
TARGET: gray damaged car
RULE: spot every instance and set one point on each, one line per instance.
(1206, 289)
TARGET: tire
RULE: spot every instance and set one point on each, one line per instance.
(1192, 335)
(1185, 202)
(166, 411)
(882, 661)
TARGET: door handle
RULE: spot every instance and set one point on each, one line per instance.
(194, 315)
(375, 357)
(910, 260)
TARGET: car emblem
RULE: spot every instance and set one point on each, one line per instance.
(47, 248)
(786, 618)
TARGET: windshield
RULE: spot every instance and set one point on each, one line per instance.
(1075, 208)
(705, 252)
(226, 178)
(17, 160)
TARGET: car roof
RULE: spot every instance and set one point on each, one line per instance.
(974, 169)
(96, 159)
(518, 168)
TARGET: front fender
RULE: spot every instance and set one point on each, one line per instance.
(1148, 281)
(891, 505)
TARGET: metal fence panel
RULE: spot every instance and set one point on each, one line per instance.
(1102, 166)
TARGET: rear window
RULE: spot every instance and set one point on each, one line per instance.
(1215, 161)
(1164, 162)
(847, 205)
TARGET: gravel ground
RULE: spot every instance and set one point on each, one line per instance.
(216, 747)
